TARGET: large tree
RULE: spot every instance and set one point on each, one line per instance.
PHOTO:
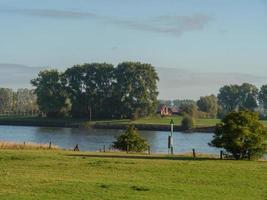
(242, 135)
(51, 94)
(238, 97)
(263, 96)
(91, 87)
(136, 88)
(208, 104)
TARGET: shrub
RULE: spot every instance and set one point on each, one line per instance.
(242, 135)
(131, 141)
(188, 122)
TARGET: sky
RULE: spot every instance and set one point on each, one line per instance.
(197, 46)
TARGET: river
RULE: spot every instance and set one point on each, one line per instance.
(94, 139)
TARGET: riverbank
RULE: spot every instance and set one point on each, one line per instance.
(32, 174)
(151, 124)
(148, 123)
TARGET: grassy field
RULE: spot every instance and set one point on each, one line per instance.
(32, 174)
(156, 120)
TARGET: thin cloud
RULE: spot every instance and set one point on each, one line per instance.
(175, 25)
(182, 84)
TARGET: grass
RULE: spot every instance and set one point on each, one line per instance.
(14, 145)
(154, 120)
(32, 174)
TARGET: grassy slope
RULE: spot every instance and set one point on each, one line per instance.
(148, 120)
(57, 175)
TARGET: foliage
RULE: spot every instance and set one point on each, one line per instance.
(263, 97)
(102, 91)
(136, 89)
(208, 104)
(238, 97)
(131, 141)
(190, 109)
(188, 122)
(6, 99)
(52, 97)
(241, 134)
(179, 103)
(91, 89)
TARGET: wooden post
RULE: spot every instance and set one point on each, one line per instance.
(50, 144)
(221, 154)
(194, 153)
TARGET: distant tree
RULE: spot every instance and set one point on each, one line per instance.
(188, 122)
(263, 96)
(6, 99)
(190, 109)
(51, 94)
(25, 101)
(208, 104)
(165, 102)
(178, 103)
(235, 97)
(131, 141)
(136, 89)
(241, 134)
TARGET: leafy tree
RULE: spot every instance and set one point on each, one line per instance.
(241, 134)
(6, 99)
(91, 89)
(190, 109)
(263, 96)
(136, 89)
(51, 94)
(188, 122)
(131, 141)
(238, 97)
(208, 104)
(179, 103)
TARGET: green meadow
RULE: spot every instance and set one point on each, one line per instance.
(56, 174)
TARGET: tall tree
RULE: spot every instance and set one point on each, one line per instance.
(51, 94)
(6, 99)
(91, 88)
(208, 104)
(136, 87)
(263, 96)
(238, 97)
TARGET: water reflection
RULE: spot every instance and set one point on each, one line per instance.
(94, 139)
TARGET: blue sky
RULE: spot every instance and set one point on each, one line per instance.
(222, 39)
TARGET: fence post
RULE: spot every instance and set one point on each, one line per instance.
(194, 153)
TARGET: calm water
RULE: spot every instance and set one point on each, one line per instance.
(94, 139)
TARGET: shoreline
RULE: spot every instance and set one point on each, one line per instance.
(118, 126)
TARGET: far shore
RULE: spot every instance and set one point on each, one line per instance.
(148, 124)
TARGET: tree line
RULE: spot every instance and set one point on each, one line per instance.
(98, 91)
(229, 99)
(21, 101)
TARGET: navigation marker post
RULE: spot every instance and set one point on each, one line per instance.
(170, 138)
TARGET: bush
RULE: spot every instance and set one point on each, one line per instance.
(242, 135)
(131, 141)
(188, 122)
